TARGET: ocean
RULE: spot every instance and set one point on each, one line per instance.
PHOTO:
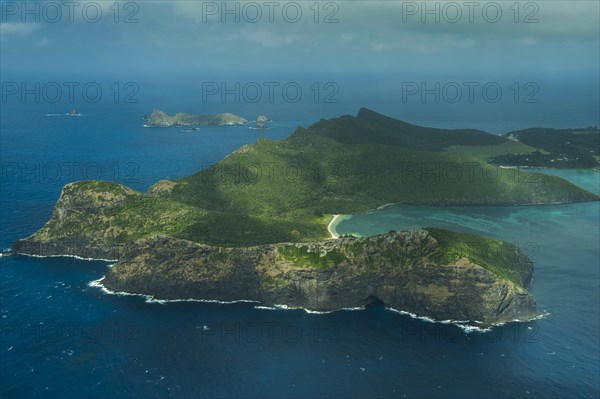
(61, 337)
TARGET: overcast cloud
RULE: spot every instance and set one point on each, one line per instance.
(373, 37)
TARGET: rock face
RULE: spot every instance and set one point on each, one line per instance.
(161, 119)
(80, 224)
(82, 247)
(430, 272)
(401, 269)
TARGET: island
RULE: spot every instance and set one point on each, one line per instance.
(74, 112)
(260, 123)
(555, 148)
(254, 226)
(159, 118)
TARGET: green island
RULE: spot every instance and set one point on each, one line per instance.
(159, 118)
(254, 225)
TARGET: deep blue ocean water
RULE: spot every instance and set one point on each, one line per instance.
(62, 338)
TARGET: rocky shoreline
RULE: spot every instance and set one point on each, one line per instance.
(401, 269)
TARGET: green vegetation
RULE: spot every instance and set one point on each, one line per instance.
(278, 191)
(486, 152)
(161, 119)
(349, 165)
(501, 258)
(304, 258)
(369, 127)
(557, 148)
(116, 214)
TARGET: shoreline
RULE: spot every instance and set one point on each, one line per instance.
(337, 219)
(10, 252)
(468, 326)
(152, 299)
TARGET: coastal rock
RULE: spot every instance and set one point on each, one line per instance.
(80, 247)
(402, 269)
(82, 207)
(161, 119)
(262, 119)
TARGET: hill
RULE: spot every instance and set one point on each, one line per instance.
(282, 191)
(253, 226)
(354, 164)
(557, 148)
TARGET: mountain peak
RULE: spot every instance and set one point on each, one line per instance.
(365, 113)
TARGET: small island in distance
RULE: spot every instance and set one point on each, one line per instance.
(160, 118)
(261, 233)
(74, 112)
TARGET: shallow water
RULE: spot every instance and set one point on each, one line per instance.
(563, 241)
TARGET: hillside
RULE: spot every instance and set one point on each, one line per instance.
(353, 164)
(282, 191)
(253, 226)
(557, 148)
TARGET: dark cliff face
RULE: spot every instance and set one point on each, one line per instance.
(77, 226)
(82, 247)
(396, 268)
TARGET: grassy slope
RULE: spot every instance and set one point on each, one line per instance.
(277, 191)
(586, 140)
(501, 258)
(317, 171)
(116, 214)
(485, 152)
(560, 148)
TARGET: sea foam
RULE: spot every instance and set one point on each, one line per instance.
(67, 256)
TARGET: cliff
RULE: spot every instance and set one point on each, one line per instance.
(225, 233)
(408, 271)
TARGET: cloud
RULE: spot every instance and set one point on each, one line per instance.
(259, 36)
(369, 35)
(44, 42)
(8, 29)
(385, 21)
(390, 31)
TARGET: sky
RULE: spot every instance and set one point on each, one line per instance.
(548, 51)
(370, 37)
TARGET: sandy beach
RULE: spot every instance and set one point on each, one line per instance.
(337, 219)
